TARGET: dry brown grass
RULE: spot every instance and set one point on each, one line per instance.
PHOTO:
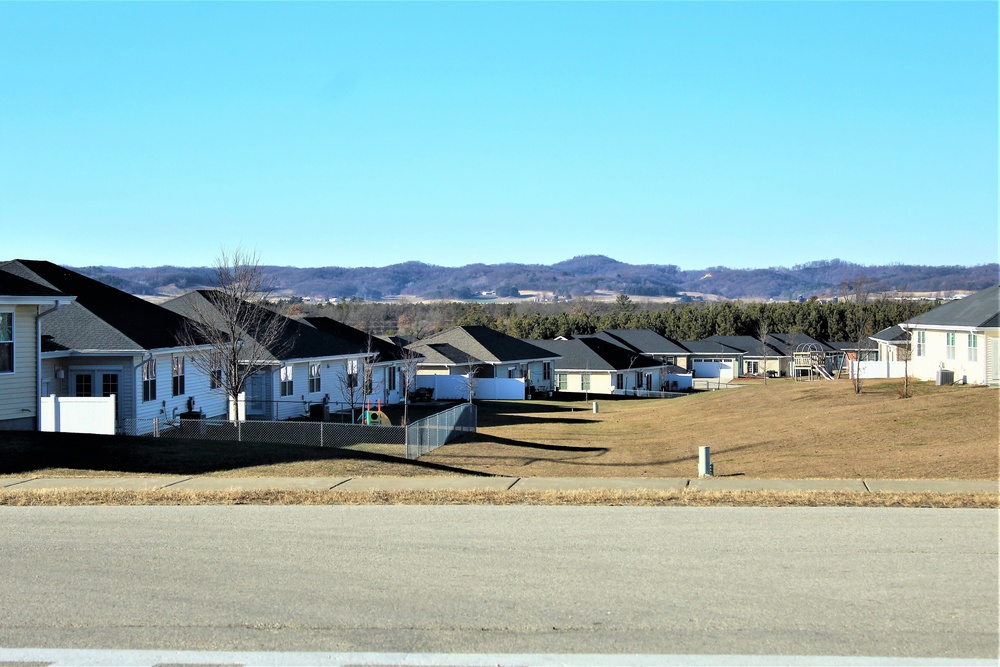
(804, 430)
(633, 498)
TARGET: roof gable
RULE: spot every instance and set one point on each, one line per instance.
(645, 341)
(480, 343)
(597, 354)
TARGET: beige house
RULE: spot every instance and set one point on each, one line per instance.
(22, 304)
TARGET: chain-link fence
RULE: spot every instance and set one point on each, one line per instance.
(409, 442)
(439, 429)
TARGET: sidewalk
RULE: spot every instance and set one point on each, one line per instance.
(493, 484)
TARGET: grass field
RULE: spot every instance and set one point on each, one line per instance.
(795, 430)
(818, 430)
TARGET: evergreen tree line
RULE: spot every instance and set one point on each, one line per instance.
(689, 321)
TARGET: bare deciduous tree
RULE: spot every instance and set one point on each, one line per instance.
(409, 360)
(862, 291)
(233, 333)
(763, 331)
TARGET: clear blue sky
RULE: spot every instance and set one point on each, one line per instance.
(365, 134)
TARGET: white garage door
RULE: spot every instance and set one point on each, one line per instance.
(713, 368)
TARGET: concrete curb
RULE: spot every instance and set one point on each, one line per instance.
(495, 484)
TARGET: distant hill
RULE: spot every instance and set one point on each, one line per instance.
(579, 276)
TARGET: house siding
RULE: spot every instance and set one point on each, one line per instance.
(212, 402)
(18, 401)
(935, 356)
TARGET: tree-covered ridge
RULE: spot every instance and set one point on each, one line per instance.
(690, 321)
(577, 277)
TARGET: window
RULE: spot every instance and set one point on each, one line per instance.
(315, 383)
(949, 342)
(973, 347)
(215, 373)
(753, 367)
(149, 380)
(390, 379)
(84, 385)
(585, 381)
(6, 342)
(352, 372)
(619, 380)
(511, 372)
(921, 343)
(670, 360)
(287, 386)
(561, 381)
(366, 372)
(177, 375)
(546, 370)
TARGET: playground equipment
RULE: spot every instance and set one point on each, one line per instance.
(374, 417)
(809, 362)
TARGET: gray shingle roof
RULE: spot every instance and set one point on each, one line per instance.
(710, 347)
(977, 311)
(482, 344)
(14, 285)
(749, 345)
(299, 340)
(596, 354)
(102, 317)
(645, 341)
(893, 334)
(361, 340)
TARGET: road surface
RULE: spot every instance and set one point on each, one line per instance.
(529, 580)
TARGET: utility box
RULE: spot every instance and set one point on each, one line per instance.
(945, 377)
(705, 468)
(319, 412)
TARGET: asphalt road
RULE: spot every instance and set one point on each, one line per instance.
(445, 579)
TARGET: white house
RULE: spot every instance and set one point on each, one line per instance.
(107, 342)
(23, 304)
(961, 336)
(595, 365)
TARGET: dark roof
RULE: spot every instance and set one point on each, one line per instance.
(596, 354)
(790, 342)
(14, 285)
(893, 334)
(978, 311)
(483, 344)
(751, 346)
(298, 341)
(102, 317)
(362, 340)
(846, 345)
(645, 341)
(710, 347)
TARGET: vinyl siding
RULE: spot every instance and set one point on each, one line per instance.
(17, 389)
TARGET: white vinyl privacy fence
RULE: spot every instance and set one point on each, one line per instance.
(407, 442)
(72, 414)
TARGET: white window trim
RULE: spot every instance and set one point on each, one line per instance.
(12, 342)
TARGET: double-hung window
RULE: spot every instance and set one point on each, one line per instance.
(546, 370)
(949, 345)
(585, 381)
(921, 343)
(177, 375)
(315, 382)
(619, 380)
(390, 379)
(215, 373)
(149, 380)
(287, 387)
(352, 373)
(561, 383)
(6, 342)
(973, 347)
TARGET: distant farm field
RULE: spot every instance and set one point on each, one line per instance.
(796, 430)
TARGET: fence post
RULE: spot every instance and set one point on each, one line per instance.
(239, 431)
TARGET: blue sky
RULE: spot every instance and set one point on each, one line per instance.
(364, 134)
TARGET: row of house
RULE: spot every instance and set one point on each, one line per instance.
(66, 335)
(960, 337)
